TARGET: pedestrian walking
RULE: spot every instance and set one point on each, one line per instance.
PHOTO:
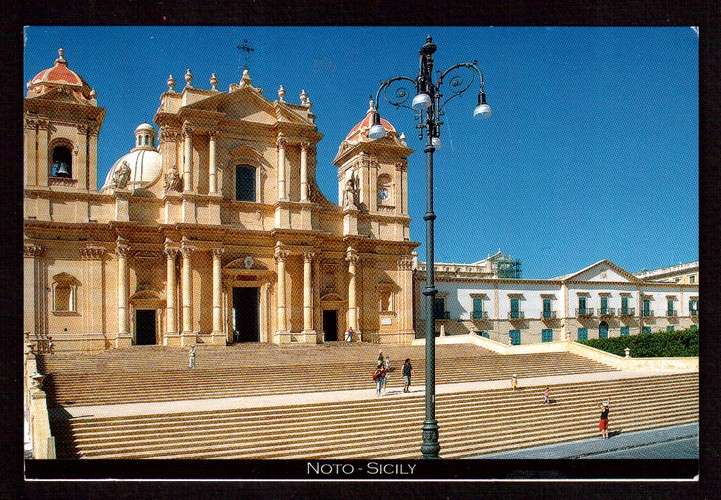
(407, 369)
(379, 377)
(547, 395)
(603, 422)
(191, 358)
(514, 382)
(349, 334)
(381, 359)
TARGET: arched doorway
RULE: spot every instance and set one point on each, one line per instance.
(603, 330)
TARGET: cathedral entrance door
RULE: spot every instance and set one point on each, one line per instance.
(245, 314)
(144, 326)
(330, 325)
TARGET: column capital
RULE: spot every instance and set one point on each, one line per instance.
(121, 247)
(304, 145)
(33, 250)
(351, 255)
(308, 256)
(281, 141)
(187, 129)
(213, 134)
(217, 252)
(281, 253)
(92, 252)
(186, 250)
(405, 263)
(170, 251)
(169, 134)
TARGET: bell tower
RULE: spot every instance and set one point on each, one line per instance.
(61, 125)
(373, 174)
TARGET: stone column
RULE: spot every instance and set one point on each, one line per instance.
(307, 295)
(212, 171)
(281, 319)
(121, 251)
(282, 190)
(304, 171)
(32, 288)
(187, 159)
(217, 333)
(170, 293)
(187, 285)
(352, 258)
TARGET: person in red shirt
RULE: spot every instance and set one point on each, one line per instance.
(603, 421)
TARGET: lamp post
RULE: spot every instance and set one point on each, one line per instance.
(428, 108)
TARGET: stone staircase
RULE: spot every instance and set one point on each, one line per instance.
(130, 376)
(471, 423)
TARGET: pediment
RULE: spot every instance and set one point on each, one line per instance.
(242, 265)
(604, 270)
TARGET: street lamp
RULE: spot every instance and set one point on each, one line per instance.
(428, 109)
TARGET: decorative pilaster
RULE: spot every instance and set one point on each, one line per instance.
(217, 334)
(282, 189)
(307, 295)
(94, 309)
(352, 258)
(212, 170)
(121, 252)
(187, 285)
(304, 171)
(32, 284)
(281, 318)
(187, 158)
(170, 292)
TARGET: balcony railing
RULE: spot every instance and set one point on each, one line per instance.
(515, 315)
(584, 312)
(647, 314)
(671, 313)
(629, 311)
(606, 311)
(548, 315)
(479, 315)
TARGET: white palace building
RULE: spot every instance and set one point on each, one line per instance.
(602, 300)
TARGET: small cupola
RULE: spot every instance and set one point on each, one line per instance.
(144, 137)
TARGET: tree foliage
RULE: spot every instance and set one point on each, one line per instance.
(648, 345)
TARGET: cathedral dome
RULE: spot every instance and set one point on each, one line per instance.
(60, 76)
(144, 161)
(359, 133)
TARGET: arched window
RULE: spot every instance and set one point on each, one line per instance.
(245, 183)
(62, 165)
(64, 289)
(385, 190)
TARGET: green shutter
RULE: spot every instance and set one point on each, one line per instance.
(646, 329)
(515, 337)
(583, 334)
(582, 303)
(477, 308)
(547, 335)
(670, 329)
(624, 331)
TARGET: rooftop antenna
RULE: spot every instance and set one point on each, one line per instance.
(247, 49)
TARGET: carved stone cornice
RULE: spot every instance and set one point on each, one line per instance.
(32, 250)
(37, 123)
(83, 128)
(91, 252)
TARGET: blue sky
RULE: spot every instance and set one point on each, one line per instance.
(591, 153)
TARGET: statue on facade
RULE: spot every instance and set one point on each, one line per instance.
(349, 195)
(121, 176)
(173, 181)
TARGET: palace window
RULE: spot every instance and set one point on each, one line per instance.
(692, 279)
(646, 308)
(624, 305)
(693, 306)
(546, 307)
(582, 334)
(245, 183)
(62, 165)
(624, 331)
(604, 305)
(64, 293)
(547, 335)
(439, 308)
(669, 306)
(515, 308)
(646, 329)
(477, 308)
(582, 304)
(515, 337)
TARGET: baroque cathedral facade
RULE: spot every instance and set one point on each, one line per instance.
(215, 232)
